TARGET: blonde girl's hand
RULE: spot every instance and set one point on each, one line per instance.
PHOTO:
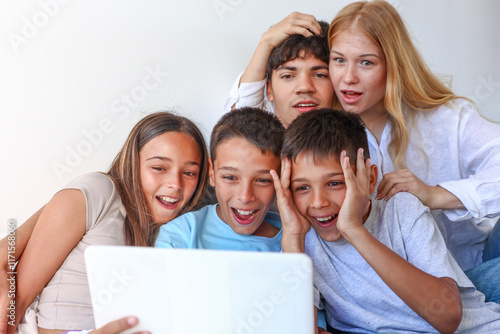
(405, 181)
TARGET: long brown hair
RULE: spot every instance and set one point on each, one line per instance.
(139, 228)
(410, 86)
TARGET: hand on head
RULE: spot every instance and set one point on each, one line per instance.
(295, 23)
(357, 197)
(293, 222)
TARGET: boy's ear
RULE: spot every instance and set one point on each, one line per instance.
(269, 91)
(373, 177)
(211, 172)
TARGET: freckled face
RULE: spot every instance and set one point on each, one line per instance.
(169, 167)
(358, 71)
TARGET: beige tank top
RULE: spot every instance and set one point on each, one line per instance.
(65, 302)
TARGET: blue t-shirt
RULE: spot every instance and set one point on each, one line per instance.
(203, 229)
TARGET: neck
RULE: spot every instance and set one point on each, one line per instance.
(266, 230)
(375, 123)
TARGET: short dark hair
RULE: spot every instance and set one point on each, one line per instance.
(298, 46)
(325, 132)
(256, 125)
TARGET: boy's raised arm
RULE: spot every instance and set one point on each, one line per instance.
(415, 287)
(295, 23)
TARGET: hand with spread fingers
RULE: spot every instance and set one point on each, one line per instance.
(295, 23)
(295, 226)
(357, 198)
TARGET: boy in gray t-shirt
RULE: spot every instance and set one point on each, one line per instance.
(380, 266)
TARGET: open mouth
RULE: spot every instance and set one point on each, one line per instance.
(351, 96)
(326, 221)
(168, 202)
(244, 217)
(305, 106)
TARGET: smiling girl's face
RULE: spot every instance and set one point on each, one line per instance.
(169, 167)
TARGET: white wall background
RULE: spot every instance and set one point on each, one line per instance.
(76, 75)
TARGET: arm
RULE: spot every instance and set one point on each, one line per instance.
(252, 93)
(294, 225)
(295, 23)
(22, 235)
(414, 286)
(59, 229)
(467, 183)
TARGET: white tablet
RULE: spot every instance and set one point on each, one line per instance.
(191, 291)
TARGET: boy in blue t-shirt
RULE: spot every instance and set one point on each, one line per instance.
(379, 266)
(244, 146)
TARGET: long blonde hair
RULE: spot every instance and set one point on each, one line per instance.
(410, 85)
(140, 230)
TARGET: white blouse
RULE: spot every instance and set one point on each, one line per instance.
(457, 149)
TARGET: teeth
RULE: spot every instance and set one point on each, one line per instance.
(245, 213)
(168, 199)
(324, 219)
(351, 93)
(306, 105)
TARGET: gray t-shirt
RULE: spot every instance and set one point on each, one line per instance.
(65, 302)
(355, 297)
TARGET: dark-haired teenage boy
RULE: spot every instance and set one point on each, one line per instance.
(290, 67)
(242, 153)
(379, 266)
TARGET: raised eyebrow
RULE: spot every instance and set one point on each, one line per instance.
(228, 169)
(360, 56)
(167, 159)
(337, 52)
(286, 68)
(320, 67)
(192, 163)
(369, 55)
(303, 179)
(160, 158)
(300, 179)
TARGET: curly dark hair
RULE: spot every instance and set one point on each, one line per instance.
(298, 46)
